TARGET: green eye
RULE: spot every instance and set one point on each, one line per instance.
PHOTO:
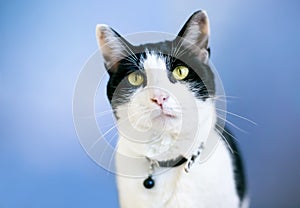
(180, 72)
(135, 78)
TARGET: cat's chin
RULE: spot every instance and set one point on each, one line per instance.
(167, 115)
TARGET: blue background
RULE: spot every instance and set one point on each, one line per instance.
(255, 47)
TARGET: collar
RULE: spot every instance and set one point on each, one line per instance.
(177, 161)
(172, 163)
(149, 182)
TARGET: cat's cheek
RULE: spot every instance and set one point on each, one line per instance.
(206, 112)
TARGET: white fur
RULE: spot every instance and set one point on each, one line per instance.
(144, 131)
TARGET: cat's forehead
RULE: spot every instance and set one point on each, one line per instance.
(154, 61)
(155, 67)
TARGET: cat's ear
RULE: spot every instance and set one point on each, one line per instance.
(196, 31)
(112, 45)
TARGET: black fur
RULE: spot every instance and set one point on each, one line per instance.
(239, 175)
(118, 87)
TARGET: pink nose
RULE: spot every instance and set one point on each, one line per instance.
(159, 100)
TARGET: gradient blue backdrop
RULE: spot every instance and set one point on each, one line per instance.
(255, 47)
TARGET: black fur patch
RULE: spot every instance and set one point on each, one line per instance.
(118, 87)
(239, 175)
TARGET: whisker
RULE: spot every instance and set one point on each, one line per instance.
(114, 126)
(223, 129)
(97, 114)
(220, 100)
(113, 155)
(132, 62)
(142, 117)
(105, 133)
(226, 96)
(177, 48)
(104, 112)
(232, 124)
(106, 125)
(108, 144)
(128, 49)
(224, 138)
(108, 141)
(131, 59)
(187, 48)
(238, 116)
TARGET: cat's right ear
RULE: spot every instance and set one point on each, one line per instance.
(112, 45)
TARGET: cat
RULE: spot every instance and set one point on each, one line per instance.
(162, 95)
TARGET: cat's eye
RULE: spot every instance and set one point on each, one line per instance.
(180, 72)
(135, 78)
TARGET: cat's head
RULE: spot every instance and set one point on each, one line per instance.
(162, 92)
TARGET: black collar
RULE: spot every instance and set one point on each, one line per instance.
(172, 163)
(149, 182)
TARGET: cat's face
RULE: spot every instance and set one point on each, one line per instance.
(161, 93)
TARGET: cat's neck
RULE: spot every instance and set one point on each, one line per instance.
(167, 147)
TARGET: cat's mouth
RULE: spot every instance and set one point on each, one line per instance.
(167, 114)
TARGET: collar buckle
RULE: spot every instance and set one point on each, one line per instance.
(193, 158)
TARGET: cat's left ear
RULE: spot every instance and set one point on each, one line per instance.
(196, 31)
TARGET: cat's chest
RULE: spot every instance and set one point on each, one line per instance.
(209, 184)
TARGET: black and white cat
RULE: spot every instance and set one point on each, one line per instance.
(162, 95)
